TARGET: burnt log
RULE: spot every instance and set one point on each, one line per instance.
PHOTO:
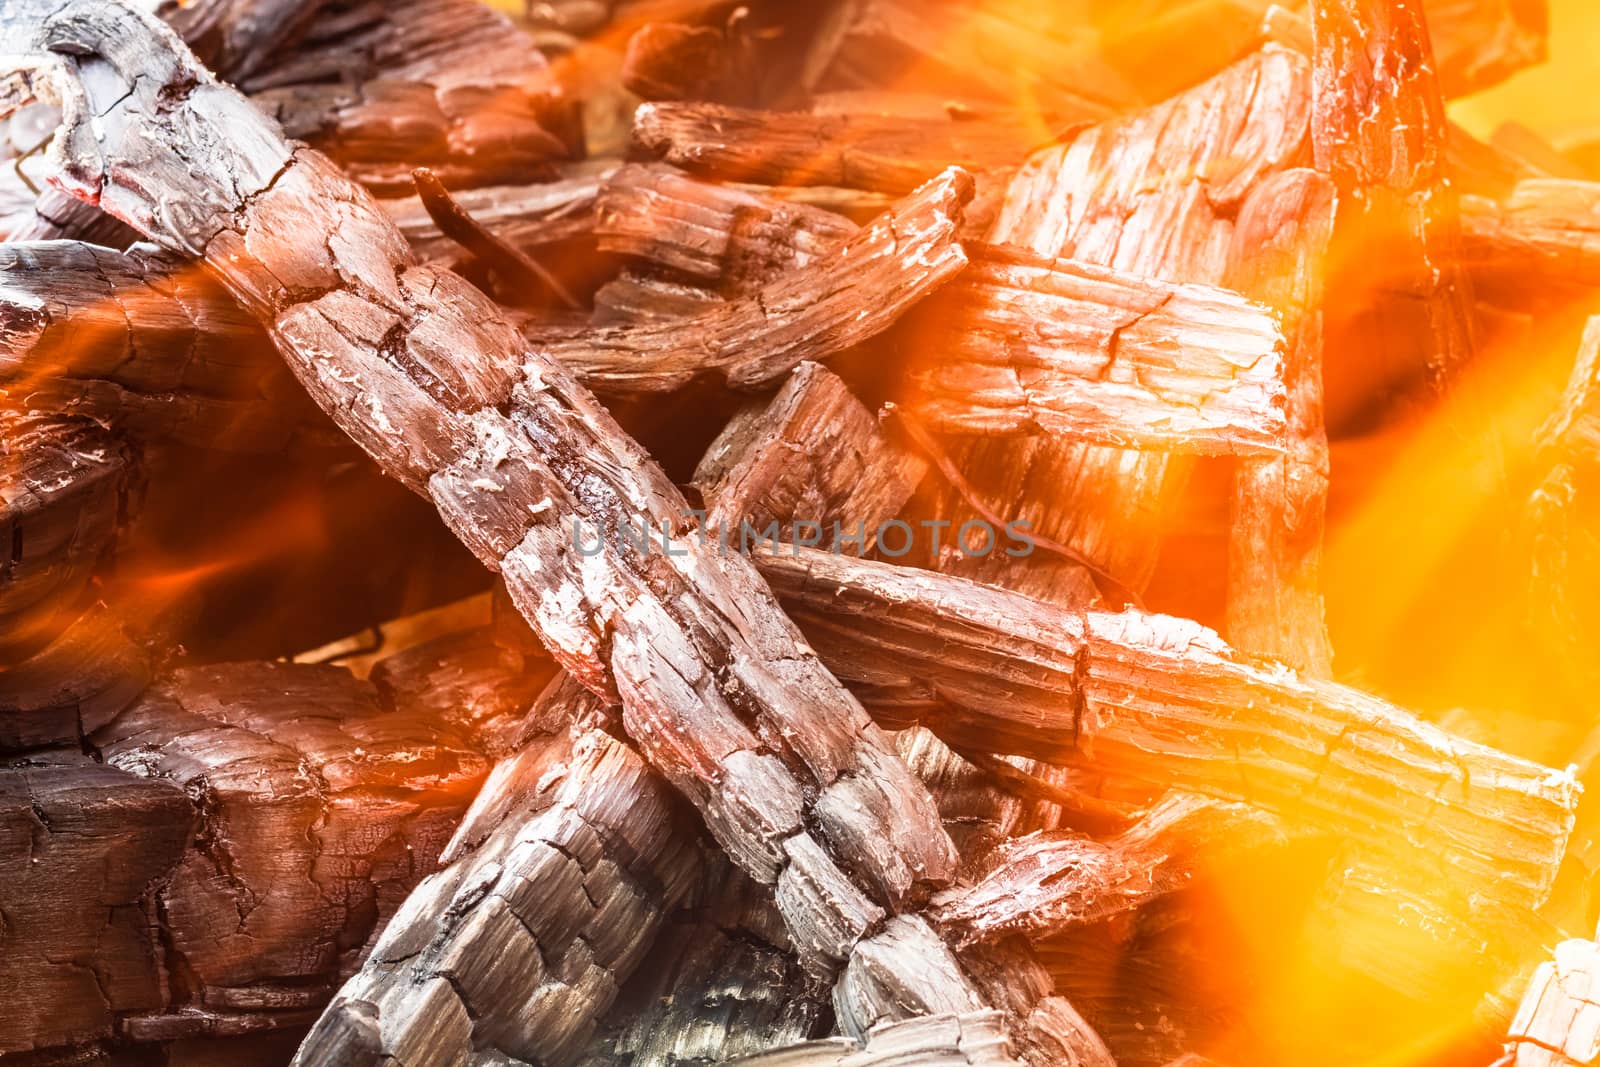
(550, 896)
(716, 686)
(882, 153)
(1275, 604)
(853, 293)
(447, 84)
(1379, 131)
(147, 345)
(1128, 694)
(74, 685)
(1127, 194)
(66, 488)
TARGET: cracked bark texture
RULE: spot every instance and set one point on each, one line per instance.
(811, 460)
(733, 239)
(1153, 194)
(248, 829)
(1558, 1021)
(550, 896)
(91, 671)
(66, 488)
(1027, 344)
(881, 153)
(1275, 606)
(447, 84)
(975, 1039)
(716, 686)
(316, 811)
(86, 845)
(148, 345)
(471, 683)
(723, 983)
(1378, 130)
(860, 288)
(1163, 702)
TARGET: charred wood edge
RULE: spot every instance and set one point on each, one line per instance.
(867, 283)
(1046, 883)
(550, 896)
(1374, 76)
(746, 477)
(973, 1039)
(235, 37)
(1122, 361)
(525, 216)
(722, 982)
(1569, 450)
(1275, 605)
(142, 343)
(455, 80)
(882, 153)
(1557, 1022)
(303, 811)
(678, 61)
(764, 468)
(1017, 675)
(527, 277)
(418, 367)
(1155, 216)
(1543, 235)
(74, 685)
(67, 487)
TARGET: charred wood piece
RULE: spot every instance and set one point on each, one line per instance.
(528, 217)
(1275, 605)
(446, 84)
(66, 488)
(716, 686)
(1559, 1019)
(855, 292)
(145, 344)
(1156, 700)
(550, 896)
(971, 1040)
(1379, 131)
(1543, 235)
(74, 685)
(891, 154)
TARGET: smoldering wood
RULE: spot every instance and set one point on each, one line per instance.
(1404, 300)
(1543, 235)
(723, 983)
(470, 682)
(1023, 344)
(891, 154)
(526, 216)
(87, 843)
(67, 487)
(1030, 345)
(1045, 883)
(1559, 1017)
(1479, 43)
(1129, 692)
(227, 851)
(767, 467)
(969, 1040)
(148, 345)
(677, 61)
(420, 369)
(550, 895)
(446, 84)
(1275, 605)
(56, 696)
(851, 294)
(735, 239)
(1127, 194)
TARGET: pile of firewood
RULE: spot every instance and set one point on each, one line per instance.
(862, 595)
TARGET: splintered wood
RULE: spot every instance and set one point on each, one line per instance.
(913, 465)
